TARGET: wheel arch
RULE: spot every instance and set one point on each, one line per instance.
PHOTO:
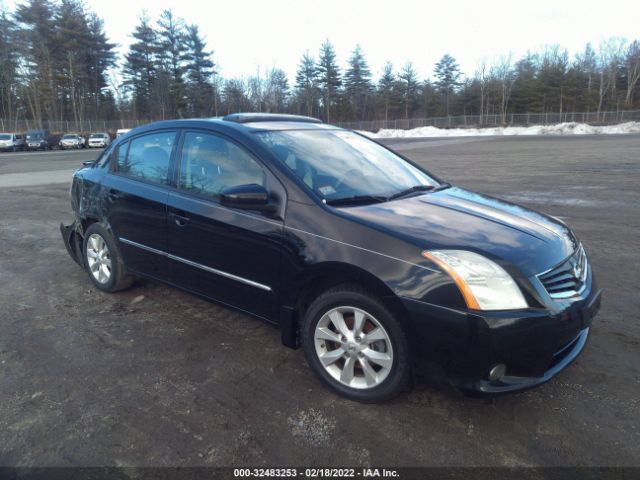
(321, 277)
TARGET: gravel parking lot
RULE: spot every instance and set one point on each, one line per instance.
(157, 377)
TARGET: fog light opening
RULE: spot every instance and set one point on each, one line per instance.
(497, 372)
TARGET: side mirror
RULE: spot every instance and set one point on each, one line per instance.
(247, 197)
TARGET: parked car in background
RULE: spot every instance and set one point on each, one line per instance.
(72, 140)
(99, 140)
(378, 268)
(122, 131)
(38, 140)
(11, 142)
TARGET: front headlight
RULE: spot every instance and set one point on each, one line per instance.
(484, 284)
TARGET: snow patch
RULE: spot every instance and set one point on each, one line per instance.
(568, 128)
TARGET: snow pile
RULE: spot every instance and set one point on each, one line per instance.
(569, 128)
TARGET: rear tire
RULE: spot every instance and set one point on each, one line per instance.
(355, 345)
(102, 260)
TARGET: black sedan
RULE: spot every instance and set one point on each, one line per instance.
(377, 268)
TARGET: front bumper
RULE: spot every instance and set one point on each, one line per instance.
(534, 344)
(101, 143)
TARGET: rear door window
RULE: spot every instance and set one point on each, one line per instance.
(148, 157)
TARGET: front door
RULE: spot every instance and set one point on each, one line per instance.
(229, 255)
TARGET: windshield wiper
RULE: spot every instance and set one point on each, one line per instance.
(409, 191)
(356, 200)
(418, 188)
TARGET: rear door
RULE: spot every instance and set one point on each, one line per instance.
(230, 255)
(136, 200)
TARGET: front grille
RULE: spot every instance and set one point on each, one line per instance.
(568, 278)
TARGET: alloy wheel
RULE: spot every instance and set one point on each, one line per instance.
(353, 347)
(98, 258)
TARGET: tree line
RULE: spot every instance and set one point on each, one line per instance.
(57, 63)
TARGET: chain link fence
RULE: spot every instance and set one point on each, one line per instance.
(460, 121)
(497, 120)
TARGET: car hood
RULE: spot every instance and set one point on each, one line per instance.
(455, 218)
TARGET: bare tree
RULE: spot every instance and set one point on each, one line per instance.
(503, 72)
(482, 78)
(632, 68)
(610, 56)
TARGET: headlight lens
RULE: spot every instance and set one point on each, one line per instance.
(484, 284)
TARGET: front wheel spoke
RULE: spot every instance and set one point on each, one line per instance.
(347, 371)
(374, 336)
(91, 253)
(106, 261)
(338, 320)
(331, 357)
(94, 243)
(95, 266)
(379, 358)
(104, 274)
(323, 333)
(358, 322)
(370, 375)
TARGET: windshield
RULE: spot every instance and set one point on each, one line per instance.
(97, 135)
(338, 164)
(34, 136)
(67, 136)
(4, 136)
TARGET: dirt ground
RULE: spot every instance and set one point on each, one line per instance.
(157, 377)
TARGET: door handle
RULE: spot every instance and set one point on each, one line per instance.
(180, 220)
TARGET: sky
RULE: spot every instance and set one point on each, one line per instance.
(253, 36)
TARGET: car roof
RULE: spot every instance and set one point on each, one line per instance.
(245, 123)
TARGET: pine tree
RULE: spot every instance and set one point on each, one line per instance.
(328, 78)
(101, 58)
(307, 89)
(387, 92)
(357, 83)
(277, 91)
(199, 70)
(586, 72)
(72, 56)
(447, 74)
(408, 86)
(526, 96)
(139, 70)
(36, 35)
(8, 66)
(171, 61)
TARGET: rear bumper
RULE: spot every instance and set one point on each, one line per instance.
(72, 241)
(534, 344)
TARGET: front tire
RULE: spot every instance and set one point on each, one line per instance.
(355, 345)
(103, 261)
